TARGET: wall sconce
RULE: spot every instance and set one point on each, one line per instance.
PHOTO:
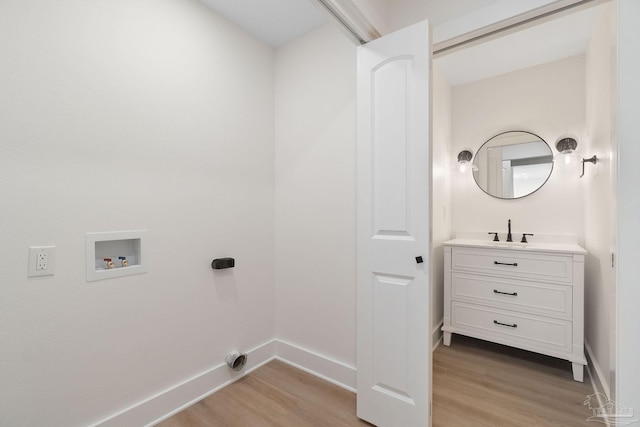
(567, 153)
(464, 160)
(566, 150)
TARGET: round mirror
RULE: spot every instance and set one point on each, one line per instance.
(513, 164)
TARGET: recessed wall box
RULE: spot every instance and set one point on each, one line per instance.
(115, 254)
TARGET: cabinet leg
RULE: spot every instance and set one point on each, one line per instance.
(446, 337)
(578, 371)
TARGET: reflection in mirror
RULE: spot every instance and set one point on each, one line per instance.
(513, 164)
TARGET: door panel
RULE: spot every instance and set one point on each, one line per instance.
(389, 91)
(394, 172)
(391, 345)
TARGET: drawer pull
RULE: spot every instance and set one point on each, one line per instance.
(515, 264)
(514, 325)
(513, 294)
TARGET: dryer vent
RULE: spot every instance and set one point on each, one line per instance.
(236, 360)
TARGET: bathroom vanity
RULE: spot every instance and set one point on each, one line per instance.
(529, 296)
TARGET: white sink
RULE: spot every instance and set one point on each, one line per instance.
(537, 246)
(509, 244)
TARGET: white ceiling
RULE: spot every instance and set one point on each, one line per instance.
(275, 22)
(551, 40)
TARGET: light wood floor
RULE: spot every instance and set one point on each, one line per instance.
(275, 394)
(475, 383)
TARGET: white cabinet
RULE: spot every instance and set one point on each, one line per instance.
(525, 296)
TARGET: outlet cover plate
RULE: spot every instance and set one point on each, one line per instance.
(49, 255)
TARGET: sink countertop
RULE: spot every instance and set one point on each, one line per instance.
(531, 246)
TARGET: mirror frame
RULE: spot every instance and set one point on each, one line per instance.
(502, 133)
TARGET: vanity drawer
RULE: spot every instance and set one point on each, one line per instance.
(520, 330)
(516, 263)
(545, 299)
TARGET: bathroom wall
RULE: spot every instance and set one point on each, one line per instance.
(120, 115)
(547, 100)
(440, 195)
(315, 161)
(599, 185)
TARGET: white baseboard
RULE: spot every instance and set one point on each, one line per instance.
(436, 336)
(598, 380)
(321, 366)
(174, 399)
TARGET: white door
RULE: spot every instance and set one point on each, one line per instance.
(394, 357)
(627, 351)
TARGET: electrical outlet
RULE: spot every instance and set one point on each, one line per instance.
(41, 261)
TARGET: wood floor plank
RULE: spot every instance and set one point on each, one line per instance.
(275, 395)
(475, 384)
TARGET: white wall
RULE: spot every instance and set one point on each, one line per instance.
(119, 115)
(406, 12)
(628, 135)
(599, 188)
(547, 100)
(440, 194)
(315, 194)
(376, 12)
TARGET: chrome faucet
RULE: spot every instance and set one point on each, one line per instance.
(509, 238)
